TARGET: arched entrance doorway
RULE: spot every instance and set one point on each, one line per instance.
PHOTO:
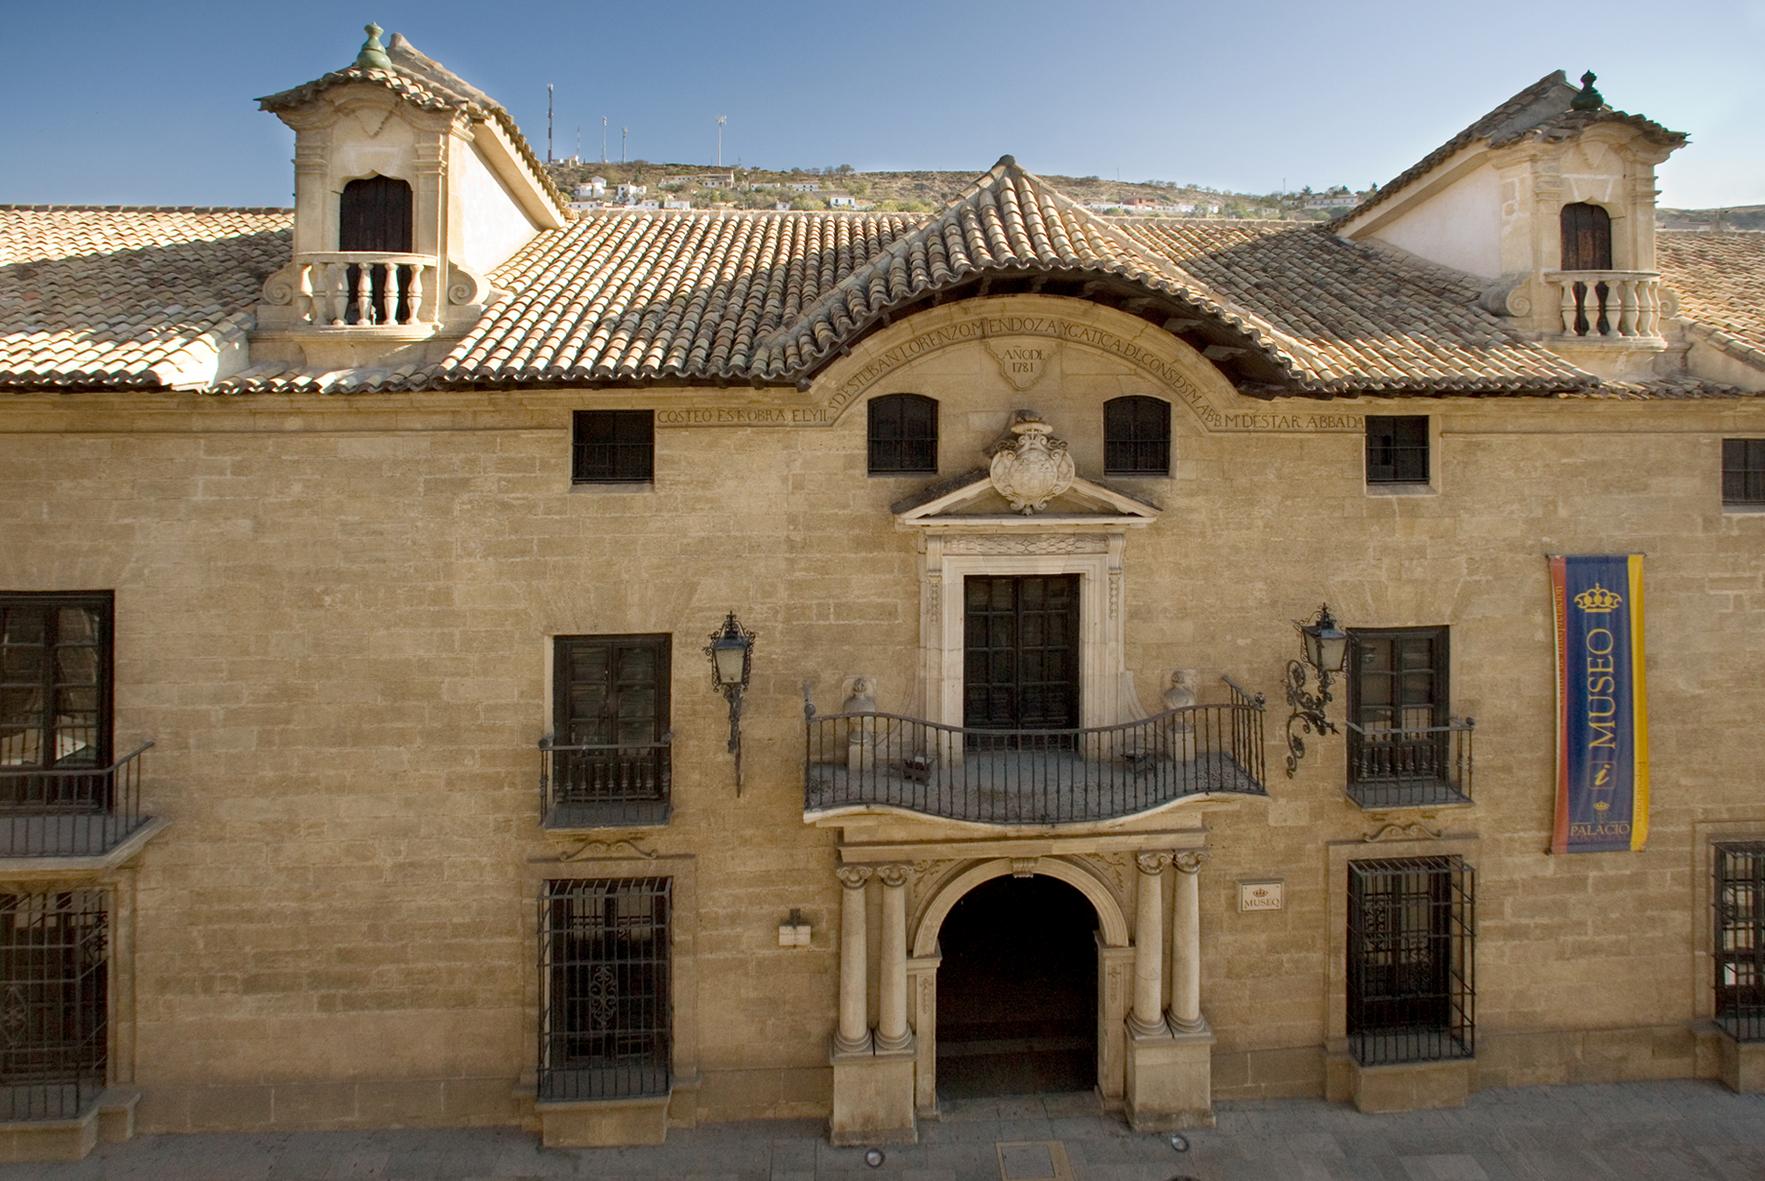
(1017, 990)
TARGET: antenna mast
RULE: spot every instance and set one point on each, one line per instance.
(624, 134)
(548, 122)
(603, 139)
(721, 120)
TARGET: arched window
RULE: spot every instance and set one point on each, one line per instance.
(374, 214)
(1136, 436)
(1587, 238)
(903, 434)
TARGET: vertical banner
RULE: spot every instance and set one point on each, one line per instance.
(1602, 709)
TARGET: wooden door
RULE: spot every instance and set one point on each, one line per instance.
(374, 214)
(1021, 652)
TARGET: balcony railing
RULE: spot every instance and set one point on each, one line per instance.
(1611, 305)
(1067, 776)
(70, 812)
(365, 289)
(588, 785)
(1410, 766)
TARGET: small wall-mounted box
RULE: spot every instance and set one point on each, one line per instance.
(794, 931)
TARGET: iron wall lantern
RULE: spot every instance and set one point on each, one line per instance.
(1325, 647)
(732, 659)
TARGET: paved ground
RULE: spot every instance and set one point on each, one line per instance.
(1675, 1131)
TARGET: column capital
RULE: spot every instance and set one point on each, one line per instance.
(894, 875)
(1190, 860)
(1152, 864)
(853, 877)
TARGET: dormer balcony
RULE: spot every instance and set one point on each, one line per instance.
(367, 289)
(1613, 306)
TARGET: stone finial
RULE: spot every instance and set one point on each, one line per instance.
(373, 54)
(1587, 99)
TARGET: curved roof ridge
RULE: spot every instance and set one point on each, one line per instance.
(1000, 221)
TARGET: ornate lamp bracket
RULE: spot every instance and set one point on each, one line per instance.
(1324, 647)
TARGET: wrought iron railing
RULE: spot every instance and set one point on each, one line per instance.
(1066, 776)
(587, 785)
(68, 811)
(1410, 766)
(1740, 939)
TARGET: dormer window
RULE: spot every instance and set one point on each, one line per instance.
(1587, 238)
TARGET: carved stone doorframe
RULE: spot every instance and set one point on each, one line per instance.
(1114, 967)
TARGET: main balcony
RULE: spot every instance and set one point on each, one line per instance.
(71, 812)
(854, 761)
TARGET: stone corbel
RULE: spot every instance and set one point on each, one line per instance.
(277, 305)
(468, 292)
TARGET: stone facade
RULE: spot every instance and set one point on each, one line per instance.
(336, 617)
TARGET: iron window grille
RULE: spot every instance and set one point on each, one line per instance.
(1743, 471)
(1397, 449)
(1136, 436)
(605, 1015)
(607, 758)
(613, 446)
(903, 434)
(1411, 934)
(54, 995)
(1740, 940)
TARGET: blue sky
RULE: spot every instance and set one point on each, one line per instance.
(152, 102)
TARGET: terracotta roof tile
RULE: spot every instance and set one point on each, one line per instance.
(1720, 282)
(105, 297)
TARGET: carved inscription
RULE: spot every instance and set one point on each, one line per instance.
(1015, 342)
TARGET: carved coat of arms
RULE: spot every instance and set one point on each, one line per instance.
(1031, 467)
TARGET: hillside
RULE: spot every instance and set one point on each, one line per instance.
(913, 192)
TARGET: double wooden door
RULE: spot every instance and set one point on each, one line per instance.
(1021, 652)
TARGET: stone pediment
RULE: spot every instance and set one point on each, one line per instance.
(970, 502)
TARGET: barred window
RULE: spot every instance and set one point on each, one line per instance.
(1743, 471)
(1740, 940)
(1411, 926)
(54, 990)
(1397, 449)
(1136, 436)
(613, 446)
(605, 1017)
(903, 434)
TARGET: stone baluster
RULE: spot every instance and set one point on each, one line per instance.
(853, 1036)
(1568, 307)
(1147, 1017)
(1624, 323)
(389, 313)
(336, 276)
(415, 295)
(362, 286)
(1186, 944)
(892, 1033)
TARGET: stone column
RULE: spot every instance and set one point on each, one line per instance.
(892, 1032)
(1147, 1018)
(1186, 944)
(854, 1032)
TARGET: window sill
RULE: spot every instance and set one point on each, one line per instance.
(1744, 509)
(569, 818)
(1412, 1086)
(1402, 490)
(603, 1123)
(613, 487)
(1389, 796)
